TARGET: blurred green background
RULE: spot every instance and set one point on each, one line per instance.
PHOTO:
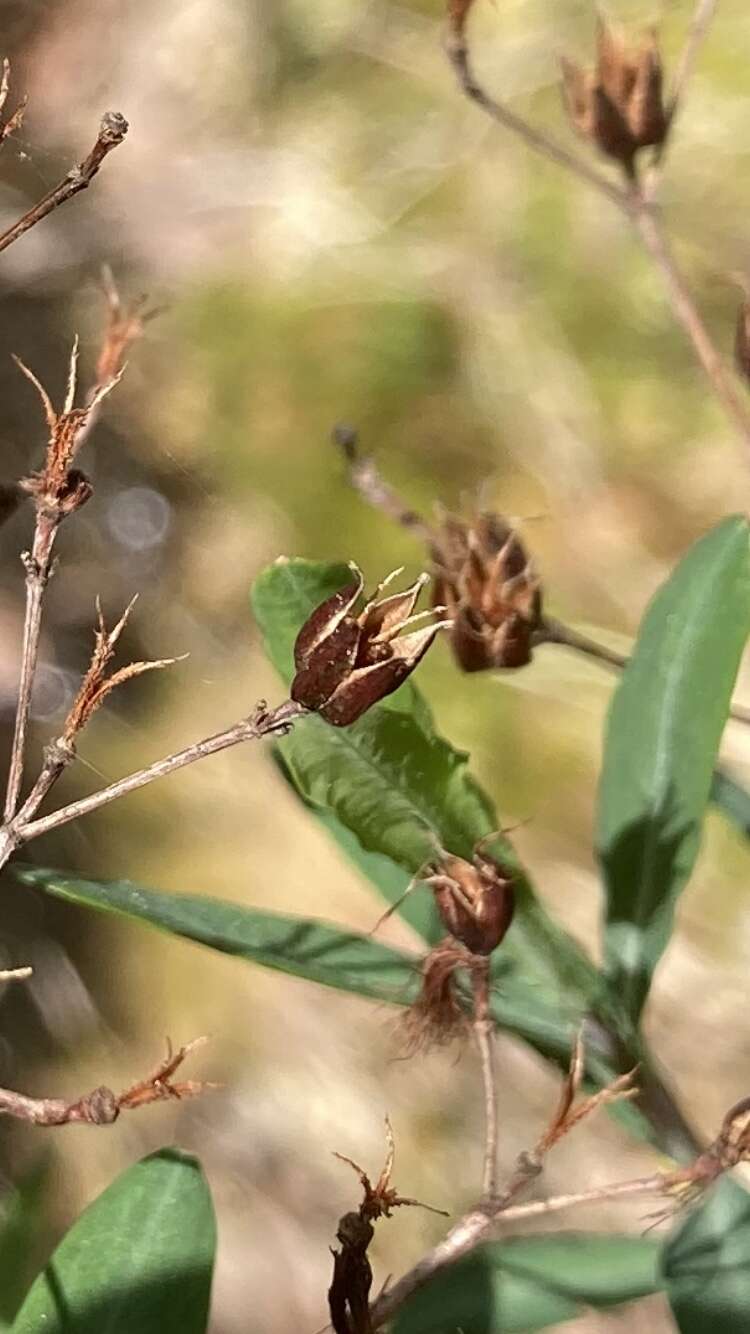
(336, 235)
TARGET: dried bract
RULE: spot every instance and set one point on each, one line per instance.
(437, 1016)
(488, 586)
(347, 660)
(476, 899)
(58, 488)
(618, 105)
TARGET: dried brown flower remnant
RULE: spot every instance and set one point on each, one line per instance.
(487, 584)
(348, 1295)
(437, 1016)
(58, 487)
(476, 899)
(346, 661)
(618, 105)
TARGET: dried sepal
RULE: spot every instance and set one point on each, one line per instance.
(59, 487)
(96, 684)
(619, 104)
(125, 325)
(567, 1115)
(488, 586)
(15, 120)
(160, 1084)
(346, 661)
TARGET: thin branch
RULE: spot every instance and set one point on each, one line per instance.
(634, 202)
(649, 226)
(541, 143)
(484, 1033)
(262, 723)
(102, 1107)
(553, 631)
(699, 25)
(112, 131)
(16, 974)
(365, 477)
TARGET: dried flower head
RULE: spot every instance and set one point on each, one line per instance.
(618, 105)
(347, 660)
(476, 899)
(488, 586)
(437, 1015)
(59, 487)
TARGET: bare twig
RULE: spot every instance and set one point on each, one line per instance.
(366, 479)
(58, 490)
(112, 131)
(484, 1033)
(263, 722)
(553, 631)
(633, 201)
(544, 144)
(683, 1185)
(696, 35)
(102, 1107)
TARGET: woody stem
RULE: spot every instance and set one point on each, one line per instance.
(484, 1035)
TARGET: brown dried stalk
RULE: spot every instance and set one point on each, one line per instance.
(112, 131)
(57, 490)
(262, 722)
(681, 1186)
(102, 1107)
(14, 121)
(635, 201)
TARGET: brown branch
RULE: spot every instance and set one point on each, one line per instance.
(458, 54)
(684, 1185)
(696, 35)
(484, 1034)
(553, 631)
(633, 201)
(262, 722)
(102, 1107)
(112, 131)
(58, 490)
(365, 477)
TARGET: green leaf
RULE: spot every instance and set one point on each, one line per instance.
(296, 945)
(20, 1216)
(664, 730)
(139, 1258)
(530, 1283)
(390, 790)
(706, 1264)
(732, 800)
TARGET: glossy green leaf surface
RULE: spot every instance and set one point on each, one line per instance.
(664, 729)
(531, 1283)
(139, 1258)
(706, 1264)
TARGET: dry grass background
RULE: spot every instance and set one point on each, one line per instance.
(336, 234)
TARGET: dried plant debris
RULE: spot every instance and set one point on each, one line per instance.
(349, 1293)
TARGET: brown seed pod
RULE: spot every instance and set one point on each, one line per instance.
(618, 105)
(476, 900)
(484, 579)
(347, 661)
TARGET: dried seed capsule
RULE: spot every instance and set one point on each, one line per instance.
(490, 590)
(476, 900)
(345, 662)
(618, 105)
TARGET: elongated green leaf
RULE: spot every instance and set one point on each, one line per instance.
(531, 1283)
(391, 790)
(664, 729)
(296, 945)
(139, 1258)
(706, 1264)
(21, 1213)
